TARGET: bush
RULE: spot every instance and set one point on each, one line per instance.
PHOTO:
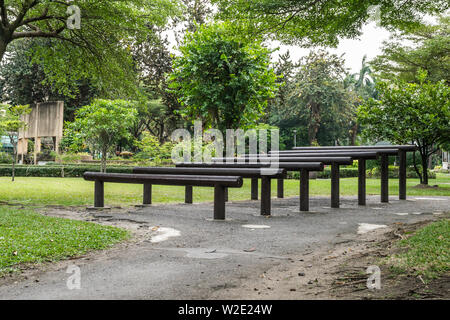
(393, 173)
(5, 158)
(126, 155)
(349, 172)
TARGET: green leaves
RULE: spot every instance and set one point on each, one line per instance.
(407, 112)
(100, 49)
(312, 22)
(103, 123)
(10, 117)
(223, 78)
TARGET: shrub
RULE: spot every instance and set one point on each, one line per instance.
(126, 154)
(58, 171)
(393, 173)
(5, 158)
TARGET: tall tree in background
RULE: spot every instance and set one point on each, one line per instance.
(320, 96)
(24, 82)
(96, 45)
(426, 47)
(362, 85)
(324, 21)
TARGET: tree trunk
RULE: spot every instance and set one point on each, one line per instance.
(353, 134)
(13, 173)
(424, 157)
(314, 123)
(103, 166)
(2, 48)
(417, 169)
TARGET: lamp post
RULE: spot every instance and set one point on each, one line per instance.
(295, 138)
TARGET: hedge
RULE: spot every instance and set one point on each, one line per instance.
(351, 172)
(58, 171)
(78, 170)
(326, 173)
(393, 173)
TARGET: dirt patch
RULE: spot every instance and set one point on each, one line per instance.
(339, 272)
(141, 232)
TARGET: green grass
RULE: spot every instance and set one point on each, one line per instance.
(76, 191)
(28, 237)
(428, 251)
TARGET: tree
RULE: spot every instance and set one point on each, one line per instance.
(426, 47)
(87, 37)
(23, 82)
(223, 79)
(410, 112)
(320, 96)
(324, 21)
(361, 84)
(157, 113)
(11, 123)
(103, 124)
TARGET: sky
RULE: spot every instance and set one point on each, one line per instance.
(369, 43)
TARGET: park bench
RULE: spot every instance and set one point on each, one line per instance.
(383, 152)
(220, 183)
(328, 159)
(252, 173)
(303, 167)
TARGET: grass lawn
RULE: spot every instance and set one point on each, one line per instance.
(27, 237)
(428, 251)
(76, 191)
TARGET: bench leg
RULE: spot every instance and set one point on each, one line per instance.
(265, 196)
(99, 194)
(219, 203)
(304, 190)
(254, 189)
(362, 182)
(188, 194)
(335, 185)
(280, 188)
(384, 178)
(402, 175)
(147, 193)
(226, 194)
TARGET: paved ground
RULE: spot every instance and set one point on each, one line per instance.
(196, 258)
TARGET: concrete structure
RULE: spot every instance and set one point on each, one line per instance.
(44, 120)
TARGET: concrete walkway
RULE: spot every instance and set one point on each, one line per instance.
(191, 257)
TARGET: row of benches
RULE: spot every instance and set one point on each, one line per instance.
(226, 173)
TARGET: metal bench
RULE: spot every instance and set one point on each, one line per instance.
(334, 161)
(252, 173)
(303, 167)
(220, 183)
(383, 152)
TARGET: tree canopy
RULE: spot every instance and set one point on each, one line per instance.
(323, 22)
(103, 124)
(95, 46)
(410, 112)
(427, 48)
(223, 79)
